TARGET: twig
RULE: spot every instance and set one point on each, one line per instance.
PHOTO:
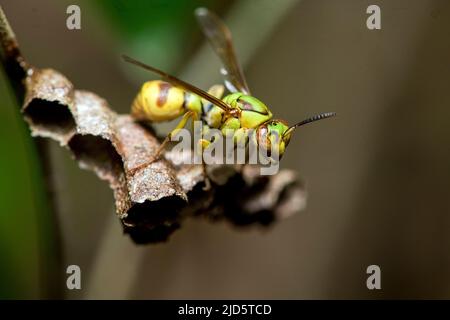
(17, 69)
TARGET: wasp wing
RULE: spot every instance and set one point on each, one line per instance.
(219, 36)
(180, 83)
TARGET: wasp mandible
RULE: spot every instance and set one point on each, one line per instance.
(238, 111)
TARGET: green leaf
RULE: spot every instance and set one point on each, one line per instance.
(27, 242)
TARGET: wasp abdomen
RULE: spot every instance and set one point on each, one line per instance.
(159, 101)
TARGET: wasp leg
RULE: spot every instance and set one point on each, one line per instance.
(202, 145)
(240, 141)
(188, 115)
(180, 125)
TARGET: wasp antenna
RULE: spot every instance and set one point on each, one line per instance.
(309, 120)
(315, 118)
(133, 61)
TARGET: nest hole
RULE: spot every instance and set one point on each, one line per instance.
(154, 221)
(154, 213)
(50, 115)
(157, 234)
(98, 153)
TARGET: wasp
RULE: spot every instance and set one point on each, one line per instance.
(238, 111)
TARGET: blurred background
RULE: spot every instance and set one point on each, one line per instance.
(378, 175)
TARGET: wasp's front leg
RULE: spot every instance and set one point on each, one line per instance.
(241, 146)
(202, 144)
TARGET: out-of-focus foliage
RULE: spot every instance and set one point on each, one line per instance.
(24, 228)
(161, 31)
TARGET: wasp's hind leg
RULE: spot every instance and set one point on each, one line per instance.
(180, 125)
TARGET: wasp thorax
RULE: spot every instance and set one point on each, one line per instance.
(253, 112)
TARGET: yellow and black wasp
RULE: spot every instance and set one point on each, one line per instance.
(239, 111)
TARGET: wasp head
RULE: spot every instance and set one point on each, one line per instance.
(273, 136)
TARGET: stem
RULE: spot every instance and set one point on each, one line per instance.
(51, 264)
(15, 65)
